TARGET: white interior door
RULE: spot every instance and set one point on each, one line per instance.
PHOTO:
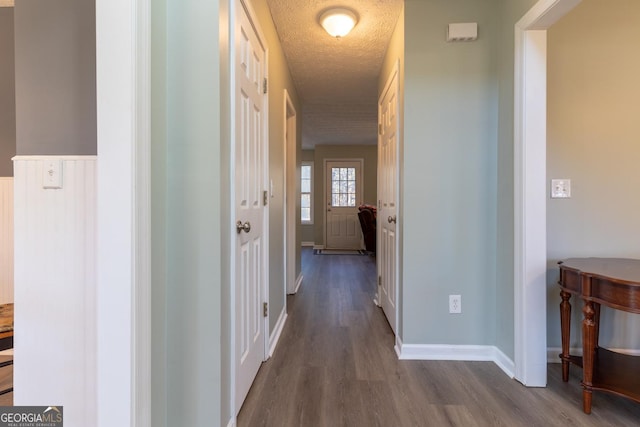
(387, 198)
(344, 195)
(250, 173)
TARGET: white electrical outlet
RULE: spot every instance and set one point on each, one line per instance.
(455, 304)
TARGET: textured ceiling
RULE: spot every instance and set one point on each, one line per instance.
(336, 79)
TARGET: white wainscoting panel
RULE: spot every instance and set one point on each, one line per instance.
(55, 287)
(6, 240)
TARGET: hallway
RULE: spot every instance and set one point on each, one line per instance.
(335, 366)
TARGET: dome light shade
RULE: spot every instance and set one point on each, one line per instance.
(338, 22)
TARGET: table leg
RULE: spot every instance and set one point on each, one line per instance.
(588, 349)
(565, 325)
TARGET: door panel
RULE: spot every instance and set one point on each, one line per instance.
(387, 199)
(344, 195)
(250, 123)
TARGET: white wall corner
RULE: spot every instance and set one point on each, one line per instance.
(277, 331)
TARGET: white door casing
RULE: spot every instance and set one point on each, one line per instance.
(251, 250)
(343, 196)
(291, 194)
(387, 198)
(530, 246)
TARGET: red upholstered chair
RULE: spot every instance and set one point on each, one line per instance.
(368, 223)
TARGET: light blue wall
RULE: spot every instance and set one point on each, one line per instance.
(510, 12)
(449, 195)
(193, 188)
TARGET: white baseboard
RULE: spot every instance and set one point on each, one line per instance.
(484, 353)
(553, 353)
(232, 422)
(277, 331)
(398, 346)
(507, 365)
(298, 284)
(318, 246)
(308, 244)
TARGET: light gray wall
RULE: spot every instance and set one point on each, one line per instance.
(594, 140)
(370, 181)
(449, 177)
(190, 142)
(510, 12)
(7, 93)
(279, 80)
(55, 54)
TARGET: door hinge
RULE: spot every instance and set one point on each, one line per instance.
(265, 197)
(264, 85)
(379, 128)
(380, 281)
(265, 309)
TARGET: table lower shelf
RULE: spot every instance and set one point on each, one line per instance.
(614, 373)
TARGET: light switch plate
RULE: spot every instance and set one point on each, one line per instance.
(52, 174)
(560, 188)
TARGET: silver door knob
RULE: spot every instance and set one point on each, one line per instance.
(246, 227)
(392, 219)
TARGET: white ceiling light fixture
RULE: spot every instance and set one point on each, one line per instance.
(339, 21)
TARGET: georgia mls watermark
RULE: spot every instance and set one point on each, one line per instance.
(31, 416)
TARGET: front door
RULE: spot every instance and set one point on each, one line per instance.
(344, 195)
(250, 200)
(387, 198)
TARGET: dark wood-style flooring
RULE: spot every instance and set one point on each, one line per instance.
(335, 366)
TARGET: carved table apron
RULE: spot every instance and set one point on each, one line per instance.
(613, 282)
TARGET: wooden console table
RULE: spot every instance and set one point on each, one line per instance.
(613, 282)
